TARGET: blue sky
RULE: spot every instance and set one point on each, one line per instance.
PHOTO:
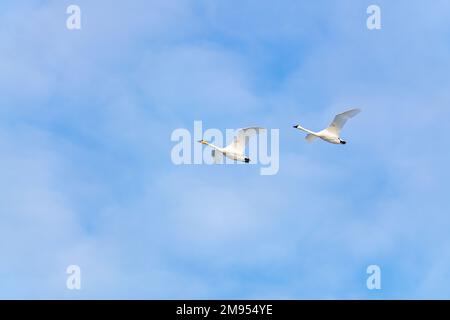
(86, 176)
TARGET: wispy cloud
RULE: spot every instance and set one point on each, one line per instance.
(87, 179)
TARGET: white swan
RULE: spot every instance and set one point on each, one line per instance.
(332, 133)
(235, 150)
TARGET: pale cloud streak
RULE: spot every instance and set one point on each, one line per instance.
(86, 176)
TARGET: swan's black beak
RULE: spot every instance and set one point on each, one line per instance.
(296, 126)
(247, 160)
(342, 142)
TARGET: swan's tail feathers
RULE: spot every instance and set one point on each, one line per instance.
(310, 137)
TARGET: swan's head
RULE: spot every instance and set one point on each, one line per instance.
(202, 141)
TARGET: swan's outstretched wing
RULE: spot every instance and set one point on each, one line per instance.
(341, 119)
(238, 144)
(310, 137)
(217, 156)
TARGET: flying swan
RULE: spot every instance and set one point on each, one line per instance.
(235, 150)
(332, 133)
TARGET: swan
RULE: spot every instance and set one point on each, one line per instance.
(332, 133)
(235, 150)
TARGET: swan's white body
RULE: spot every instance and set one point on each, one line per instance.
(235, 150)
(333, 132)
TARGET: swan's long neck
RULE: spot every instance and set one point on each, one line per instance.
(214, 147)
(306, 130)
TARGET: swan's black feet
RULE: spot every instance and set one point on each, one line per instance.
(246, 160)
